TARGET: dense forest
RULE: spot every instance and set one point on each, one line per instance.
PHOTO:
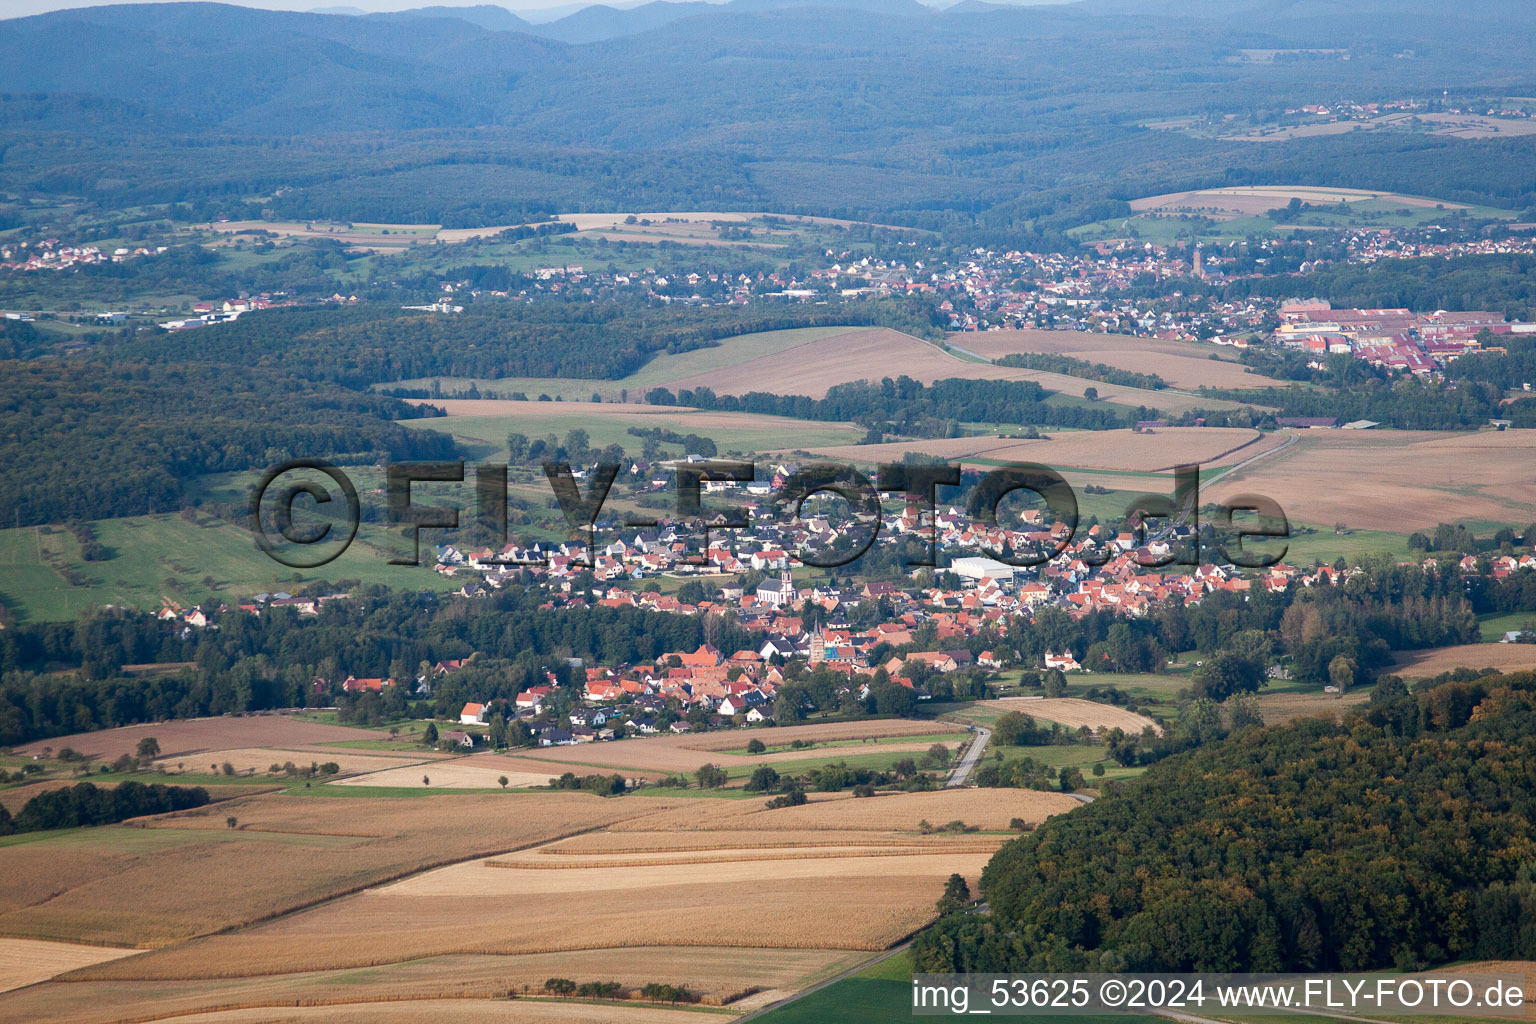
(88, 440)
(976, 121)
(370, 344)
(1397, 839)
(88, 804)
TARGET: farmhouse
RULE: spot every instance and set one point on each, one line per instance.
(472, 714)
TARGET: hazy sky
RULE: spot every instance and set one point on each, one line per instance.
(21, 8)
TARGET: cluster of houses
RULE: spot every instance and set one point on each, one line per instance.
(48, 254)
(1400, 339)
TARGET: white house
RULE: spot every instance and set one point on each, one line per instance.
(473, 714)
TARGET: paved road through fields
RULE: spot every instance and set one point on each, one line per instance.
(973, 754)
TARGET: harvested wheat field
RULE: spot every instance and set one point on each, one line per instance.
(646, 844)
(198, 734)
(1182, 364)
(1151, 451)
(457, 774)
(28, 961)
(435, 1011)
(1254, 200)
(1395, 480)
(1432, 662)
(874, 910)
(716, 973)
(1279, 708)
(989, 809)
(124, 885)
(1074, 712)
(812, 368)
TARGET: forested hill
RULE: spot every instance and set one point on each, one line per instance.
(1402, 837)
(1028, 119)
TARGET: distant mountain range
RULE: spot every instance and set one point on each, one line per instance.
(831, 106)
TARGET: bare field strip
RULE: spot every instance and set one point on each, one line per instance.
(353, 1010)
(638, 843)
(1253, 200)
(1114, 450)
(534, 861)
(989, 809)
(1074, 713)
(177, 883)
(1279, 708)
(716, 972)
(1432, 662)
(260, 759)
(448, 775)
(1396, 480)
(28, 961)
(506, 877)
(1181, 364)
(196, 734)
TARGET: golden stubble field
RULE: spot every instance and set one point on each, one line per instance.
(1074, 713)
(337, 901)
(196, 734)
(1182, 364)
(1395, 480)
(879, 352)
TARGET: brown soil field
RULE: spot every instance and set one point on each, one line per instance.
(1279, 708)
(1504, 657)
(716, 972)
(262, 758)
(1118, 450)
(538, 860)
(28, 961)
(1073, 712)
(123, 885)
(196, 734)
(1395, 480)
(1181, 364)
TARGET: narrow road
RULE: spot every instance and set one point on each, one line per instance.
(973, 754)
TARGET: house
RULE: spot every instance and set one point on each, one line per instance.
(556, 738)
(460, 739)
(356, 685)
(741, 703)
(1066, 662)
(472, 714)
